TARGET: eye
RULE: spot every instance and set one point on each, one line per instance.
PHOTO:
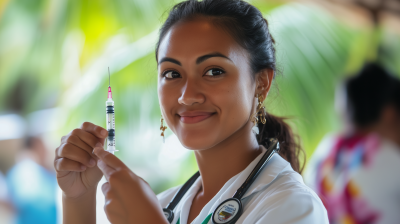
(171, 74)
(214, 72)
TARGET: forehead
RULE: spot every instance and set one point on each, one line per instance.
(190, 39)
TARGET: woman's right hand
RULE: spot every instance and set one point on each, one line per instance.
(75, 163)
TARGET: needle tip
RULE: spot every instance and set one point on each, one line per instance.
(109, 83)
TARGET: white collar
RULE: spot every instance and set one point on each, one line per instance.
(269, 173)
(271, 170)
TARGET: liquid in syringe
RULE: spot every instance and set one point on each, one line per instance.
(110, 119)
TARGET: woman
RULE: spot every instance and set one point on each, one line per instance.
(216, 62)
(356, 173)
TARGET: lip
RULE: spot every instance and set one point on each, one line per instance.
(191, 117)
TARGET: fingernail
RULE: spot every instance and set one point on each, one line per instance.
(97, 149)
(83, 167)
(103, 133)
(92, 162)
(99, 144)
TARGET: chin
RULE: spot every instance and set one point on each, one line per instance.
(198, 140)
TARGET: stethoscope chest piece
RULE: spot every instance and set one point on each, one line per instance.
(169, 214)
(227, 212)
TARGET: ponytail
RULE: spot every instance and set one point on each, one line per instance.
(276, 127)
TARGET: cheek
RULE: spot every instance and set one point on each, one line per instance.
(239, 101)
(236, 103)
(168, 99)
(162, 98)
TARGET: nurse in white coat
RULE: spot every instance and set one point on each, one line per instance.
(216, 63)
(277, 196)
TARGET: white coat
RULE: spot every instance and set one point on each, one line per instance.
(277, 196)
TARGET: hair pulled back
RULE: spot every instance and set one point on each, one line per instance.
(250, 30)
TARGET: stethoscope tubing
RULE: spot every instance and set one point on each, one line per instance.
(182, 191)
(169, 210)
(235, 201)
(272, 149)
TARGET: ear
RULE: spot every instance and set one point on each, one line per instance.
(263, 82)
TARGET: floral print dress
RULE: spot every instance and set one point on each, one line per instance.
(357, 178)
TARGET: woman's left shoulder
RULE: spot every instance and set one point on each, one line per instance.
(285, 200)
(290, 184)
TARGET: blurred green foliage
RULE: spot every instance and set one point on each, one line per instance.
(51, 49)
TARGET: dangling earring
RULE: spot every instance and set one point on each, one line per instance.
(254, 119)
(261, 109)
(260, 112)
(162, 128)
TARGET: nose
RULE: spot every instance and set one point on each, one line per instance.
(191, 93)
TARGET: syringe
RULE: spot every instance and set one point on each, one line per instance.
(110, 118)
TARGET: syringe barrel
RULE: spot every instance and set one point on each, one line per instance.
(110, 119)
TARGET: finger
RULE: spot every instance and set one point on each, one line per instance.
(144, 181)
(72, 152)
(109, 158)
(83, 140)
(95, 130)
(85, 136)
(105, 188)
(64, 164)
(105, 169)
(115, 212)
(88, 138)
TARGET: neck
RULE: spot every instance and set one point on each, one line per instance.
(390, 132)
(226, 159)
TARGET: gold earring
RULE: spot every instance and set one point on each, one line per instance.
(162, 128)
(254, 118)
(260, 112)
(261, 109)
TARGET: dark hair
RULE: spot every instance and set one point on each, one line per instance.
(368, 92)
(250, 30)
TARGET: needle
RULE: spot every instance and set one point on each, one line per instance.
(109, 77)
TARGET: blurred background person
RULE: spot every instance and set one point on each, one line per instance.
(3, 191)
(5, 207)
(356, 173)
(32, 185)
(12, 131)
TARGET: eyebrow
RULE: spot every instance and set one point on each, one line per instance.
(207, 56)
(198, 61)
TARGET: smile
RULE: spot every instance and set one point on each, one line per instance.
(191, 117)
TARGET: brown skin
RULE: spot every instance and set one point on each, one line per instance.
(76, 177)
(387, 126)
(229, 96)
(129, 199)
(78, 180)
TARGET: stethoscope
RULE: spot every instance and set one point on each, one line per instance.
(231, 209)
